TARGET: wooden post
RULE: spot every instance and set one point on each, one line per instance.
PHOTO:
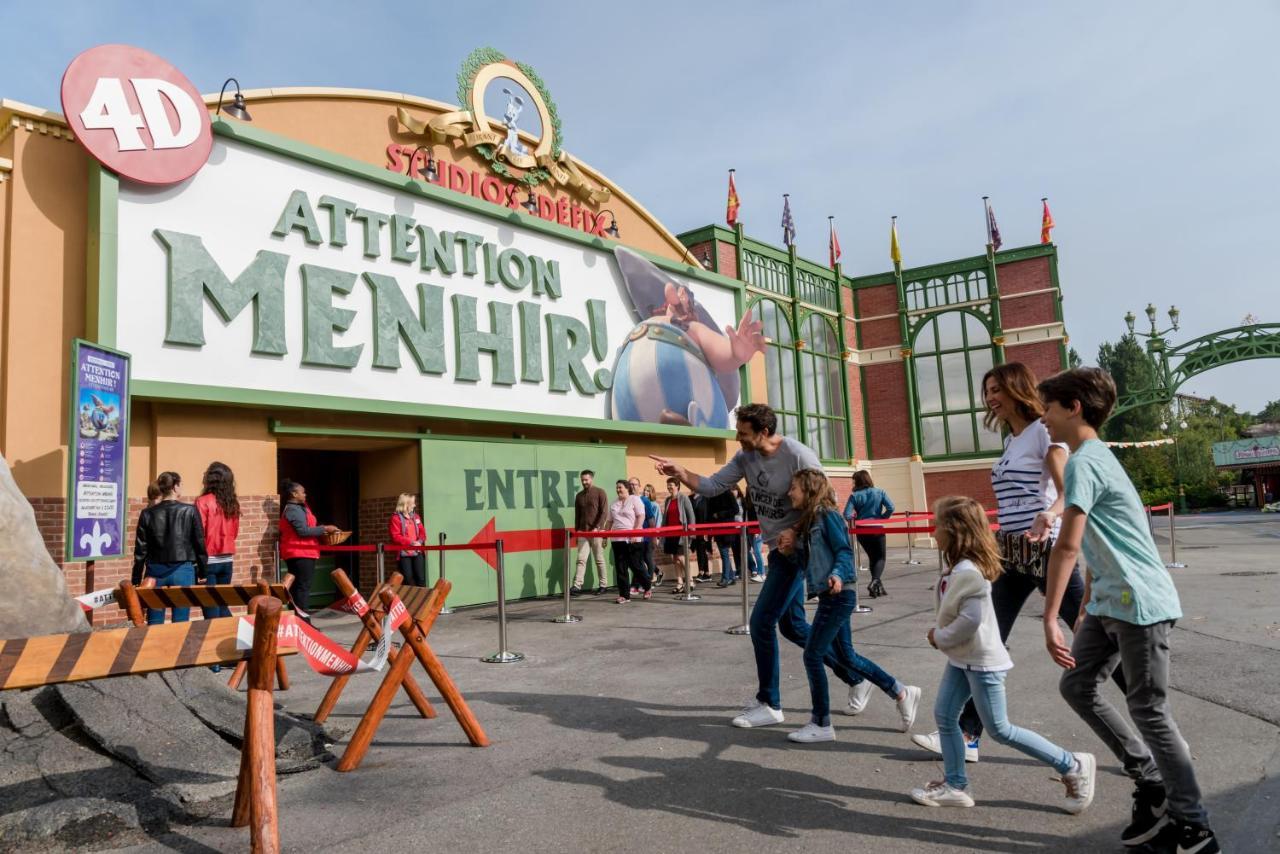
(282, 676)
(363, 736)
(255, 800)
(132, 607)
(372, 630)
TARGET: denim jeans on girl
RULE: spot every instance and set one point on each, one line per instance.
(218, 572)
(987, 690)
(829, 638)
(171, 575)
(755, 557)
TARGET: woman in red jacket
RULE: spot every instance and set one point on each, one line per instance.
(220, 514)
(299, 543)
(406, 529)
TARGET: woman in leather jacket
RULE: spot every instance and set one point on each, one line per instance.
(169, 544)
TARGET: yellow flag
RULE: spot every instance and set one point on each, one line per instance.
(895, 251)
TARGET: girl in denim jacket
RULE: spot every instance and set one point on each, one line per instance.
(823, 549)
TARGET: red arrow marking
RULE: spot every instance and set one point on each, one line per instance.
(534, 540)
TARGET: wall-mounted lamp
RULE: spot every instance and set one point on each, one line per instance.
(236, 108)
(612, 230)
(531, 204)
(430, 172)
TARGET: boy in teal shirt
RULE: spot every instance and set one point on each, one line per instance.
(1130, 605)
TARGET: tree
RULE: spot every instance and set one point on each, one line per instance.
(1270, 413)
(1073, 359)
(1130, 367)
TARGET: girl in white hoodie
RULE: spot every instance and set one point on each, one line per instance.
(977, 662)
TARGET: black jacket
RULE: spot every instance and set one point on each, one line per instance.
(169, 532)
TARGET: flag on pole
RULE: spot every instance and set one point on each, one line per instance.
(895, 251)
(1046, 223)
(993, 230)
(731, 208)
(834, 243)
(788, 224)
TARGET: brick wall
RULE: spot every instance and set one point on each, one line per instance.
(1043, 357)
(255, 548)
(887, 407)
(873, 302)
(728, 257)
(975, 483)
(374, 515)
(1023, 277)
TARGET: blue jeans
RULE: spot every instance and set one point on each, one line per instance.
(780, 607)
(755, 558)
(726, 564)
(829, 638)
(171, 575)
(219, 572)
(987, 689)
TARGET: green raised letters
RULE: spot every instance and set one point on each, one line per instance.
(321, 318)
(373, 223)
(297, 214)
(394, 320)
(469, 341)
(469, 243)
(437, 251)
(569, 342)
(402, 238)
(513, 269)
(339, 210)
(546, 277)
(193, 274)
(530, 342)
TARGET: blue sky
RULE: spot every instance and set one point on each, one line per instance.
(1150, 126)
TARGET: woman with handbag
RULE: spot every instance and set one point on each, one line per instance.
(406, 529)
(1027, 481)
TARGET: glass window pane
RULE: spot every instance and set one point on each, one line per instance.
(925, 340)
(835, 440)
(950, 324)
(955, 379)
(989, 440)
(960, 428)
(976, 331)
(927, 382)
(836, 384)
(979, 364)
(935, 442)
(786, 362)
(773, 377)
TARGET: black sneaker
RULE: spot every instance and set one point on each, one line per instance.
(575, 590)
(1148, 817)
(601, 590)
(1196, 839)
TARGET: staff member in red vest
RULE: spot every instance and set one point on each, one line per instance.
(299, 542)
(406, 529)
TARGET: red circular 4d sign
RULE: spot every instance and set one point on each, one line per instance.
(136, 114)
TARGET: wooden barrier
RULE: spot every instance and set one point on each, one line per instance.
(372, 631)
(82, 656)
(424, 606)
(136, 599)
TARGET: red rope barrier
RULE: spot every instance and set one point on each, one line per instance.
(452, 547)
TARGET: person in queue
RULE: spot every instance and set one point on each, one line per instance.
(153, 498)
(406, 529)
(299, 543)
(768, 462)
(590, 512)
(169, 544)
(825, 555)
(220, 515)
(1027, 481)
(724, 508)
(627, 514)
(869, 502)
(655, 570)
(754, 556)
(677, 511)
(650, 521)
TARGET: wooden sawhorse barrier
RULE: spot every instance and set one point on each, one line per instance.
(55, 659)
(372, 631)
(423, 605)
(136, 599)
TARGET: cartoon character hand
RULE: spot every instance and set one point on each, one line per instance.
(747, 339)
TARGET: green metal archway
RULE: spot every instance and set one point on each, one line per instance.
(1175, 365)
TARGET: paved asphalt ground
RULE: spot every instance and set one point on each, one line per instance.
(613, 735)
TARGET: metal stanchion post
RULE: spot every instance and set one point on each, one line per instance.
(688, 595)
(744, 578)
(860, 608)
(446, 609)
(275, 564)
(1173, 544)
(503, 655)
(567, 617)
(382, 565)
(911, 558)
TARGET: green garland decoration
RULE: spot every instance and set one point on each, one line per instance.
(479, 58)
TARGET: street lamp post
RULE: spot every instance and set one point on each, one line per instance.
(1177, 464)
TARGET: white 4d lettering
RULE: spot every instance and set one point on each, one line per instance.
(109, 110)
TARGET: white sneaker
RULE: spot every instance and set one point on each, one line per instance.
(811, 732)
(907, 706)
(1079, 783)
(939, 794)
(858, 696)
(933, 742)
(758, 714)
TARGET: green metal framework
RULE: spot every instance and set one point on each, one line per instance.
(1175, 365)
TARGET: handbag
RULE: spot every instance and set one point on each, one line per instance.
(1019, 554)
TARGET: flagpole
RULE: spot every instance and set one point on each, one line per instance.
(908, 366)
(986, 218)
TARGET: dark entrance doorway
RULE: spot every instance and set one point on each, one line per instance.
(332, 481)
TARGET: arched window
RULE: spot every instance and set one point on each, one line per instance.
(780, 366)
(952, 351)
(823, 384)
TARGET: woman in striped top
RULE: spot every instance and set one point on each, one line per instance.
(1027, 481)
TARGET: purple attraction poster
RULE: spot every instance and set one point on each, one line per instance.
(96, 501)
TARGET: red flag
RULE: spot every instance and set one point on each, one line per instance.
(731, 209)
(834, 243)
(1046, 223)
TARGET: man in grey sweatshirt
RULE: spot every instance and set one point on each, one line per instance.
(767, 461)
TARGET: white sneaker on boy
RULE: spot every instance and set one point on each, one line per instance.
(811, 733)
(758, 714)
